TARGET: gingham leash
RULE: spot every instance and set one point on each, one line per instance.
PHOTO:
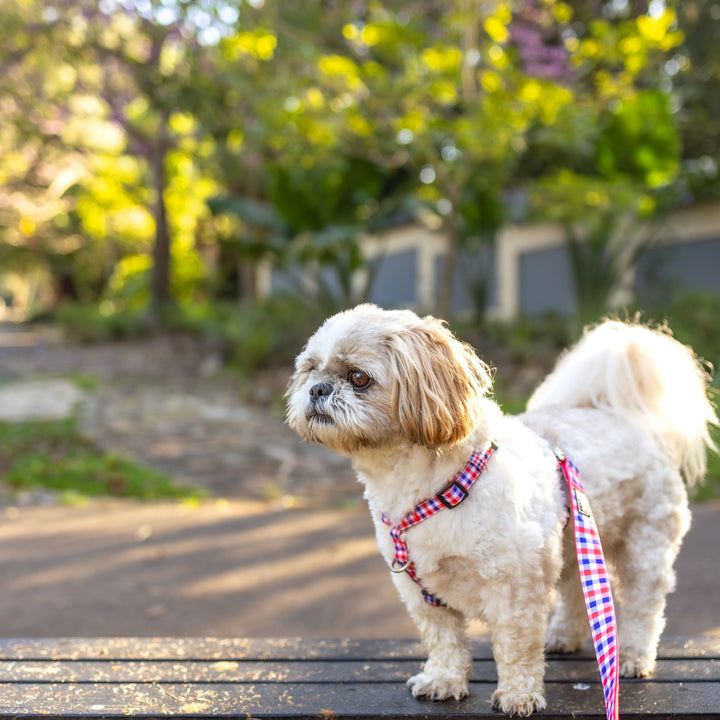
(595, 586)
(449, 497)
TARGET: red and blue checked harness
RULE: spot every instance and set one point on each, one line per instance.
(591, 563)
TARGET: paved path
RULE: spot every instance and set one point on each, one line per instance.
(242, 569)
(242, 565)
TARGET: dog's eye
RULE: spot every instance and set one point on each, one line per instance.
(358, 379)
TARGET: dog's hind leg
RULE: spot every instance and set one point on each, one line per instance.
(645, 568)
(569, 624)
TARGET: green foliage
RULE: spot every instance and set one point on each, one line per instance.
(99, 323)
(314, 123)
(710, 489)
(639, 140)
(254, 337)
(327, 193)
(695, 69)
(54, 455)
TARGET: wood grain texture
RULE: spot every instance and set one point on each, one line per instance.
(343, 679)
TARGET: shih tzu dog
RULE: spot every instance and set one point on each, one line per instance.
(410, 404)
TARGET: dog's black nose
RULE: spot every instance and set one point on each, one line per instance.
(319, 390)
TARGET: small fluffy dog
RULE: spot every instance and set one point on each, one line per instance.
(409, 403)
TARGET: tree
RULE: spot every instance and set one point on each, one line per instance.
(695, 74)
(141, 63)
(465, 100)
(605, 162)
(301, 182)
(314, 123)
(37, 163)
(96, 90)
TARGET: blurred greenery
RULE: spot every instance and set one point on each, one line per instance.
(161, 153)
(263, 335)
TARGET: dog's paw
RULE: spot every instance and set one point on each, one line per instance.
(438, 687)
(636, 667)
(520, 704)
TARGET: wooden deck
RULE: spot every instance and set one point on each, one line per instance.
(236, 678)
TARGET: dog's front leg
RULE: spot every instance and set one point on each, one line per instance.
(442, 631)
(518, 625)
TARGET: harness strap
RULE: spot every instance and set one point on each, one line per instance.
(449, 497)
(595, 586)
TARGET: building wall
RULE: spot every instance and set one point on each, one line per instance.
(527, 271)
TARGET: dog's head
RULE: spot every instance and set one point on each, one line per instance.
(371, 379)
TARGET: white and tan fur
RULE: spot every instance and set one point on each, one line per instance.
(408, 403)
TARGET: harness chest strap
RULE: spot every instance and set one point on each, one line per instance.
(449, 497)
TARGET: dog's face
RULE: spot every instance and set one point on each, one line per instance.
(371, 379)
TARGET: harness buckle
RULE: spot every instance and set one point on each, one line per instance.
(453, 485)
(398, 567)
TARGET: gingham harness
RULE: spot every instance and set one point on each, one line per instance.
(591, 563)
(449, 497)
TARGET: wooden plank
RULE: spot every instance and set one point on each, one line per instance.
(212, 649)
(674, 647)
(332, 700)
(343, 679)
(298, 671)
(132, 648)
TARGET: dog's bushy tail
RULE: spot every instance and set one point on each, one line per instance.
(644, 374)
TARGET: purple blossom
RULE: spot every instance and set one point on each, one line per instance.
(540, 48)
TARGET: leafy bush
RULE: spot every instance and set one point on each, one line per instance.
(265, 334)
(99, 323)
(254, 337)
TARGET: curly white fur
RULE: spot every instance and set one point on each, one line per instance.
(627, 404)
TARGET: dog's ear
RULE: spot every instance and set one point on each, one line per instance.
(438, 384)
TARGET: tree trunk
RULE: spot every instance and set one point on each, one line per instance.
(160, 287)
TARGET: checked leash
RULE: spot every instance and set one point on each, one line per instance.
(595, 586)
(591, 562)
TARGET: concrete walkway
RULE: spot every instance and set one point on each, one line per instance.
(242, 569)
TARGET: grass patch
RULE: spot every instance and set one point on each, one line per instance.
(710, 489)
(55, 455)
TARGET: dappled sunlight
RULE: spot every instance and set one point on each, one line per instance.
(221, 568)
(291, 565)
(241, 569)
